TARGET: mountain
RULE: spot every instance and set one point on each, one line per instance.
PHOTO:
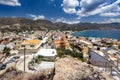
(20, 24)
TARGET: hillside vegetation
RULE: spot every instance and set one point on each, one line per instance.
(20, 24)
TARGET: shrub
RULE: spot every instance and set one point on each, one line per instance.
(7, 51)
(62, 52)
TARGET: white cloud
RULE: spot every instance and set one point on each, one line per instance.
(35, 17)
(10, 2)
(72, 22)
(99, 9)
(76, 21)
(89, 7)
(110, 14)
(60, 19)
(69, 6)
(92, 7)
(52, 18)
(112, 20)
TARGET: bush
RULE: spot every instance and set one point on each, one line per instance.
(7, 51)
(62, 52)
(40, 58)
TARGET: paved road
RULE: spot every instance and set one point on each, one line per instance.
(20, 64)
(7, 67)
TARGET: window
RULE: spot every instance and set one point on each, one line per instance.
(52, 52)
(31, 45)
(22, 45)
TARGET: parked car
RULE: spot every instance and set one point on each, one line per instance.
(16, 57)
(3, 67)
(11, 60)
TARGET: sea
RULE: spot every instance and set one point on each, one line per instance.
(114, 34)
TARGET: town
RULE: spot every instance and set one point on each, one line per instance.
(33, 51)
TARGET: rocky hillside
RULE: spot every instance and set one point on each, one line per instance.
(67, 68)
(72, 69)
(20, 24)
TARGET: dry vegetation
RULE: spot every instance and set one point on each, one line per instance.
(18, 75)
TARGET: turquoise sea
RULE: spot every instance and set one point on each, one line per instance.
(115, 34)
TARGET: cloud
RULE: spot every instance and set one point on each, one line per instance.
(35, 17)
(112, 20)
(89, 5)
(52, 2)
(69, 6)
(10, 2)
(76, 21)
(100, 8)
(60, 19)
(110, 14)
(87, 8)
(52, 18)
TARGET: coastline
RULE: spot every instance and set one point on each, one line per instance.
(112, 34)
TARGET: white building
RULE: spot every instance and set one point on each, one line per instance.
(47, 52)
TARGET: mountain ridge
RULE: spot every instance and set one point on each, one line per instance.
(19, 24)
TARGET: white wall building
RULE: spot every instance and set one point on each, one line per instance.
(47, 52)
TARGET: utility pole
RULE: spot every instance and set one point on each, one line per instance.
(117, 63)
(24, 58)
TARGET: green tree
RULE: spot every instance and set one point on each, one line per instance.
(6, 50)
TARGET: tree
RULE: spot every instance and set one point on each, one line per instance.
(6, 50)
(119, 45)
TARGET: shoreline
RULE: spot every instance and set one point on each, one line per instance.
(78, 33)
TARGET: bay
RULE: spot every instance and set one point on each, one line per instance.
(114, 34)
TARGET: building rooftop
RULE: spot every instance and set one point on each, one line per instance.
(47, 52)
(36, 41)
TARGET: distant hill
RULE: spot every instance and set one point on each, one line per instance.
(20, 24)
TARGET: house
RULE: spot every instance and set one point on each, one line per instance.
(14, 52)
(17, 44)
(30, 46)
(114, 52)
(98, 58)
(62, 40)
(2, 48)
(86, 43)
(46, 52)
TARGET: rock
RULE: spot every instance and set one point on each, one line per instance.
(69, 68)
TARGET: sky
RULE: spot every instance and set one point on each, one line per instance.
(66, 11)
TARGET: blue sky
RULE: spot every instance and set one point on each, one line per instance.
(67, 11)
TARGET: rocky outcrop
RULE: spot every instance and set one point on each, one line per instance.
(72, 69)
(67, 68)
(19, 75)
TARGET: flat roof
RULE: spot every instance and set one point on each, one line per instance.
(35, 41)
(46, 52)
(86, 42)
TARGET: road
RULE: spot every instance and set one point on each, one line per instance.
(20, 64)
(11, 65)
